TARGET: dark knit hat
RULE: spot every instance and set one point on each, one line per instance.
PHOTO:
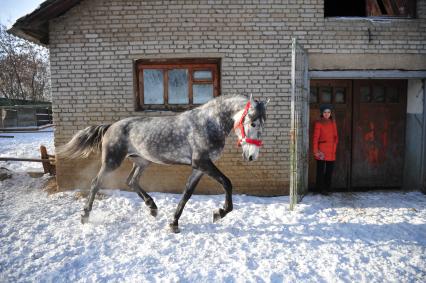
(323, 107)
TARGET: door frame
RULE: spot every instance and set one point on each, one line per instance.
(406, 74)
(351, 122)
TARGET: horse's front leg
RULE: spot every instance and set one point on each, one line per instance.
(192, 182)
(208, 167)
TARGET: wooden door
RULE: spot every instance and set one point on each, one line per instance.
(339, 94)
(378, 133)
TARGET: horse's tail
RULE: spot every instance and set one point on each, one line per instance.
(83, 143)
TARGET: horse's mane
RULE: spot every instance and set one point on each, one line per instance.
(221, 99)
(224, 97)
(260, 112)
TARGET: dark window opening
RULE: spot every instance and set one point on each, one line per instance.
(370, 8)
(348, 8)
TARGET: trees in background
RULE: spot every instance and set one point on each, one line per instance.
(24, 69)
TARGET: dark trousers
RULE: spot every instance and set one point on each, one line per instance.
(324, 173)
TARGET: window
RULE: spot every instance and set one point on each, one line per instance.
(392, 95)
(339, 95)
(176, 84)
(379, 93)
(327, 94)
(370, 8)
(365, 93)
(313, 98)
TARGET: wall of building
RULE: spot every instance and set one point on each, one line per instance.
(93, 47)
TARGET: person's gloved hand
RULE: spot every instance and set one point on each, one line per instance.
(319, 155)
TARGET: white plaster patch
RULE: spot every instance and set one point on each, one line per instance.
(415, 96)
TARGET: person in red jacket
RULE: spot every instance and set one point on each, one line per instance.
(325, 141)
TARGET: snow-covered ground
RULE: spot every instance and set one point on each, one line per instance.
(25, 145)
(360, 237)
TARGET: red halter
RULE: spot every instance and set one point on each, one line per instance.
(240, 125)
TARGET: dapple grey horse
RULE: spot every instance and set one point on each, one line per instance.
(195, 137)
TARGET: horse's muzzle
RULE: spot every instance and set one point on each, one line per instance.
(248, 158)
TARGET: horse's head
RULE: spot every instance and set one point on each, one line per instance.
(249, 128)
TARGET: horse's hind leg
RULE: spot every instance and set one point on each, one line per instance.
(113, 154)
(133, 182)
(94, 188)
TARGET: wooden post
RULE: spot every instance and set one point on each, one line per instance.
(48, 167)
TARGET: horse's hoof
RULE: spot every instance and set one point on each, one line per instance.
(174, 228)
(154, 212)
(218, 214)
(84, 219)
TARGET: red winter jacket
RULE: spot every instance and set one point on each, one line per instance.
(325, 139)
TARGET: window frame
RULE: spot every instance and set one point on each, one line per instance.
(192, 65)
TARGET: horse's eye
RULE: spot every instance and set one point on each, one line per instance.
(253, 125)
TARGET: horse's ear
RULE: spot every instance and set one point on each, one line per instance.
(252, 103)
(267, 101)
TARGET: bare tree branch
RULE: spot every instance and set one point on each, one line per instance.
(25, 69)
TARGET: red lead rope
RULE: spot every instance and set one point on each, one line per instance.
(243, 134)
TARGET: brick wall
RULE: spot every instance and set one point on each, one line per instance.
(93, 47)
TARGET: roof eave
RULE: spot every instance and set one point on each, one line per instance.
(35, 36)
(35, 26)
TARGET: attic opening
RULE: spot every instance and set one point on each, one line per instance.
(370, 8)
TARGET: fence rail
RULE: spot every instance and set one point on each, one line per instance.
(48, 160)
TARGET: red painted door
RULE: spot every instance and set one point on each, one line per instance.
(378, 133)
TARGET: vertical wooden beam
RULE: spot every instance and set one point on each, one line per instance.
(47, 166)
(390, 11)
(372, 8)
